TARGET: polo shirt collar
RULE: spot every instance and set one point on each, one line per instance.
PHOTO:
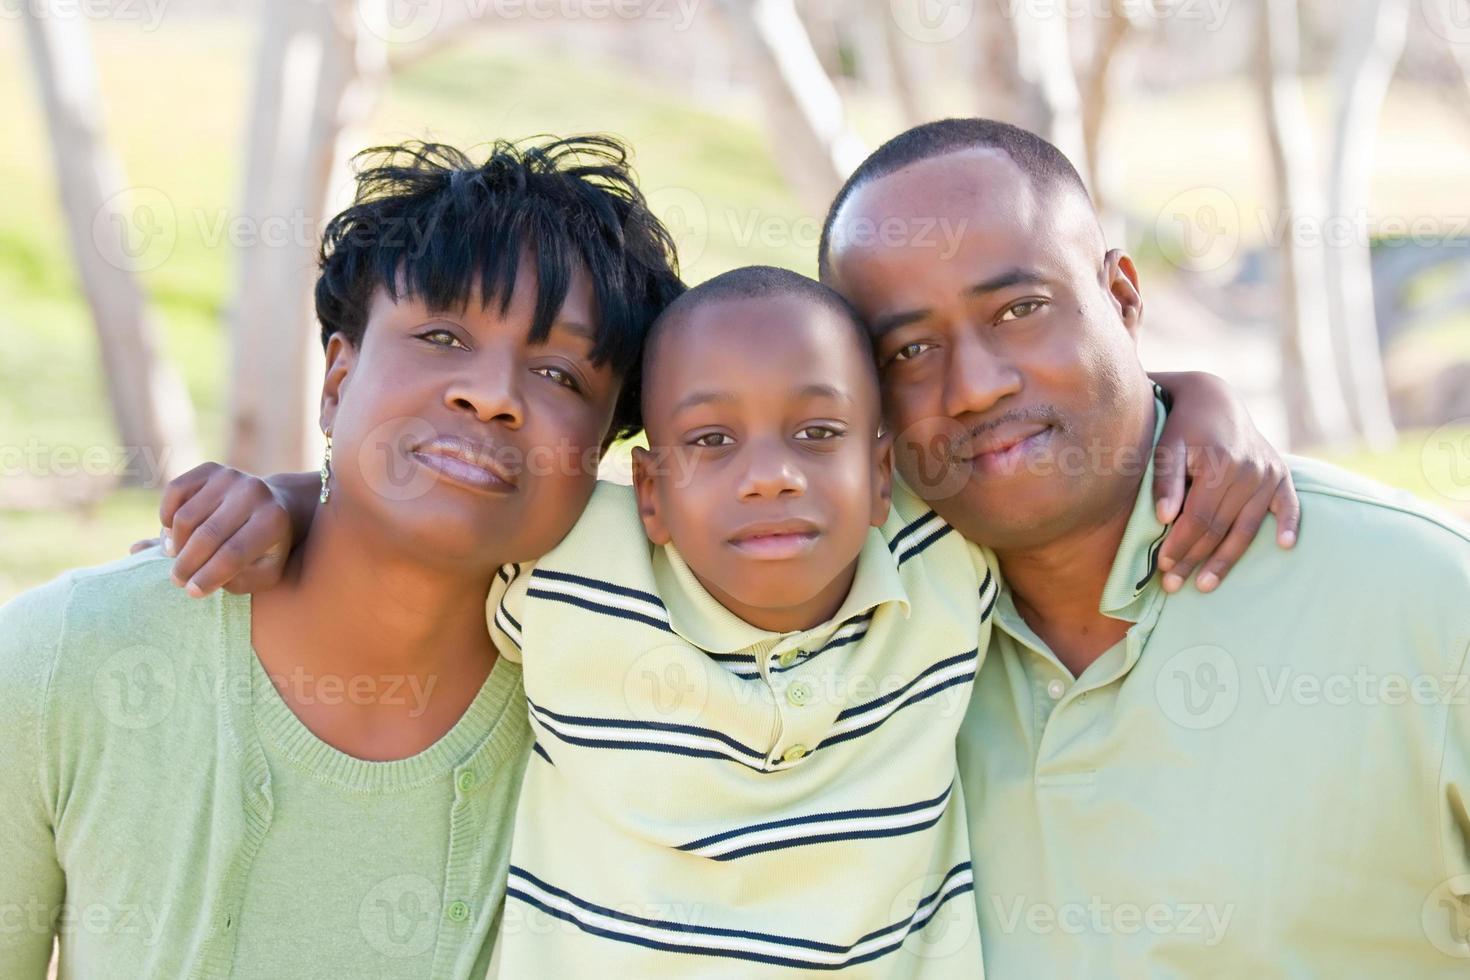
(1136, 564)
(698, 618)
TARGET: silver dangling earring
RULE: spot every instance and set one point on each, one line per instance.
(326, 470)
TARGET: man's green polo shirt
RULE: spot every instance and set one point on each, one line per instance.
(1272, 780)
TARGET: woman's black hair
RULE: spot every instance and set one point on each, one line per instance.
(430, 223)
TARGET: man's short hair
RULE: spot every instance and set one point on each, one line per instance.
(1044, 164)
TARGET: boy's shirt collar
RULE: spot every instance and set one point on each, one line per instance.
(698, 618)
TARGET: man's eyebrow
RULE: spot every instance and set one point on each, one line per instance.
(1015, 276)
(697, 398)
(891, 322)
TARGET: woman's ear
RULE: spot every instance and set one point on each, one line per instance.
(1120, 277)
(645, 484)
(341, 356)
(883, 478)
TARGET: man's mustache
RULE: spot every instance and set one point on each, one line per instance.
(958, 450)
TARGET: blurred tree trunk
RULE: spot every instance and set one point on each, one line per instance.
(885, 50)
(1374, 32)
(1107, 77)
(810, 139)
(314, 76)
(1315, 408)
(1038, 71)
(150, 405)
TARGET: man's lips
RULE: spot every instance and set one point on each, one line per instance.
(1002, 450)
(776, 540)
(472, 465)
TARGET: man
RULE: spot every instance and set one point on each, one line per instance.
(1272, 780)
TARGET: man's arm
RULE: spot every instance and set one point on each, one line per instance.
(32, 887)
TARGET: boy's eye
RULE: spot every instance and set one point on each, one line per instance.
(559, 375)
(441, 338)
(818, 433)
(711, 440)
(1022, 309)
(908, 352)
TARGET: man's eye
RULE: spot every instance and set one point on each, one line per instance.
(908, 352)
(560, 376)
(818, 433)
(441, 338)
(1022, 309)
(711, 440)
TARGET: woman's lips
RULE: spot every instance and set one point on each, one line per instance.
(466, 468)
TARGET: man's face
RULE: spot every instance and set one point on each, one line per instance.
(455, 433)
(1009, 370)
(766, 467)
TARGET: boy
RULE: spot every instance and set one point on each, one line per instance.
(745, 733)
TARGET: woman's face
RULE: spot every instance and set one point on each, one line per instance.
(454, 434)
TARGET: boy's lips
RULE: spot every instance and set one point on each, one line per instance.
(776, 540)
(471, 465)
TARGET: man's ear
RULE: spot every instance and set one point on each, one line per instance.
(883, 478)
(1120, 276)
(341, 357)
(645, 485)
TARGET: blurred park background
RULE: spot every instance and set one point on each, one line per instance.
(1293, 177)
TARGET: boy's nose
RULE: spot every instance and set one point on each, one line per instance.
(772, 475)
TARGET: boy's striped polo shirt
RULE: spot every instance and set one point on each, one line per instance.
(711, 800)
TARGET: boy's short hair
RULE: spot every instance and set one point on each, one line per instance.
(752, 281)
(429, 222)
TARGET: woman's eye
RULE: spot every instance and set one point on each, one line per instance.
(560, 376)
(1022, 309)
(711, 440)
(817, 433)
(442, 338)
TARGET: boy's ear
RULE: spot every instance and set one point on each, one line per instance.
(644, 484)
(883, 478)
(341, 356)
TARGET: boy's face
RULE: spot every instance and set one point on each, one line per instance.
(766, 466)
(455, 433)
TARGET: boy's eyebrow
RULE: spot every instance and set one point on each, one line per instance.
(577, 328)
(818, 390)
(696, 398)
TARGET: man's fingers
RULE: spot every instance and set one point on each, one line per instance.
(1242, 533)
(1287, 507)
(144, 545)
(266, 571)
(191, 513)
(1169, 466)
